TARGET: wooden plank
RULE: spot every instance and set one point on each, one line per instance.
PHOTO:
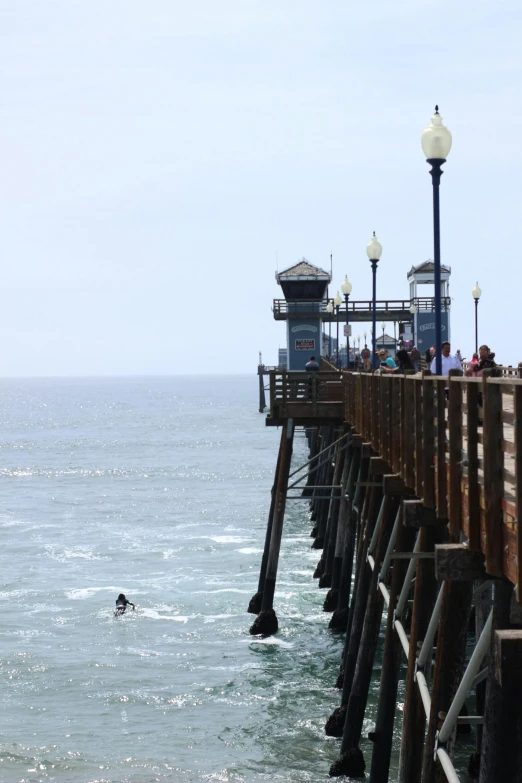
(493, 476)
(473, 469)
(428, 482)
(517, 408)
(408, 432)
(417, 397)
(396, 422)
(442, 488)
(455, 459)
(383, 418)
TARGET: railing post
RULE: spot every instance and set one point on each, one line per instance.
(442, 482)
(428, 491)
(493, 476)
(455, 459)
(417, 401)
(517, 410)
(473, 477)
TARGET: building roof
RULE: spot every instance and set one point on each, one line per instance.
(303, 269)
(426, 267)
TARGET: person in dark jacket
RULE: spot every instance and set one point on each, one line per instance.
(312, 365)
(122, 604)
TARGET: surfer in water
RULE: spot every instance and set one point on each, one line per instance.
(121, 605)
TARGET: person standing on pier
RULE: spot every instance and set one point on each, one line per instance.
(367, 365)
(448, 362)
(415, 356)
(312, 365)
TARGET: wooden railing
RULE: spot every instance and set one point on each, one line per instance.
(457, 444)
(302, 394)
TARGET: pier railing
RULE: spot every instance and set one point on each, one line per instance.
(306, 395)
(456, 443)
(282, 309)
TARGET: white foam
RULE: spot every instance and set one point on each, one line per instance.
(87, 592)
(152, 614)
(250, 551)
(228, 539)
(270, 640)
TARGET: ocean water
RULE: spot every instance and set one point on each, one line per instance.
(160, 488)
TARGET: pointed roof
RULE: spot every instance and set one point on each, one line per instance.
(427, 267)
(304, 270)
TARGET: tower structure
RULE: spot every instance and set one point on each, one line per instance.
(303, 308)
(424, 318)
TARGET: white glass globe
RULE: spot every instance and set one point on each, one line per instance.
(413, 309)
(329, 307)
(383, 326)
(337, 299)
(374, 248)
(346, 287)
(476, 292)
(436, 139)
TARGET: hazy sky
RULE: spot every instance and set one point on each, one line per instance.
(158, 157)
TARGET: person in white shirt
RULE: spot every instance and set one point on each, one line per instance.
(448, 362)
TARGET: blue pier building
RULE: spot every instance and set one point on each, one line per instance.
(303, 308)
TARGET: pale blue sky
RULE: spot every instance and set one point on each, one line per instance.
(156, 156)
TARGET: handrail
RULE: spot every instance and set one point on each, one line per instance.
(362, 305)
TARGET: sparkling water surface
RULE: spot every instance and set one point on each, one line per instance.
(160, 488)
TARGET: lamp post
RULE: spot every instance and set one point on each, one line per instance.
(374, 252)
(329, 310)
(383, 327)
(436, 144)
(346, 288)
(476, 293)
(337, 302)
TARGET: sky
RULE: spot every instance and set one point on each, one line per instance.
(159, 161)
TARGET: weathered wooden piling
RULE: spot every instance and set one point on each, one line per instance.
(343, 562)
(503, 703)
(382, 736)
(350, 760)
(254, 607)
(266, 621)
(414, 716)
(333, 517)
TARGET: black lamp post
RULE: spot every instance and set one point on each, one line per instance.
(337, 302)
(346, 288)
(436, 144)
(476, 293)
(374, 251)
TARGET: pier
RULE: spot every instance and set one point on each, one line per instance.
(415, 489)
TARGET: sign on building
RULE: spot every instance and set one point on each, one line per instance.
(305, 345)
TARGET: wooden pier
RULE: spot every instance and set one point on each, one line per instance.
(415, 489)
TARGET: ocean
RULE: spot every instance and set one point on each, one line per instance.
(158, 488)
